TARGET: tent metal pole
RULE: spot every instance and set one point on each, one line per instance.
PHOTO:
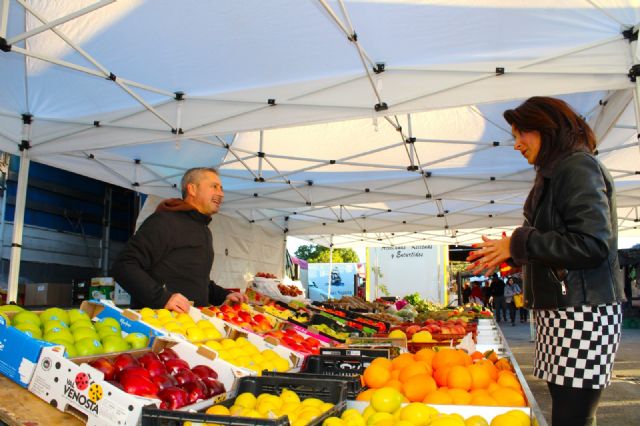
(260, 153)
(18, 225)
(4, 17)
(56, 22)
(330, 265)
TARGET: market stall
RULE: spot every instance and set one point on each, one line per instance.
(321, 363)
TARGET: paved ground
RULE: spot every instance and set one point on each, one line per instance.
(620, 403)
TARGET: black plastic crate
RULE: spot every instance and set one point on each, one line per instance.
(334, 391)
(353, 382)
(337, 365)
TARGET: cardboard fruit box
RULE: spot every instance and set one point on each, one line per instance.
(19, 352)
(73, 386)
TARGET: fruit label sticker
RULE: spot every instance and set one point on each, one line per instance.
(74, 391)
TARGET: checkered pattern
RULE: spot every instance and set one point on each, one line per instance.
(576, 346)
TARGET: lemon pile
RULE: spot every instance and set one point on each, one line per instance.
(386, 409)
(180, 323)
(269, 406)
(242, 353)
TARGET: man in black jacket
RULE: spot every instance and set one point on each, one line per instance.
(166, 264)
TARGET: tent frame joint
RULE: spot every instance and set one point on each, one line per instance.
(4, 46)
(382, 106)
(24, 145)
(379, 68)
(179, 96)
(634, 71)
(499, 70)
(630, 34)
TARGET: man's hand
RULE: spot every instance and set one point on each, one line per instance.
(490, 254)
(237, 297)
(177, 302)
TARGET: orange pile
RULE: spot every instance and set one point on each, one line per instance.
(446, 376)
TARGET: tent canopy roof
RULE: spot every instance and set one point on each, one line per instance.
(375, 121)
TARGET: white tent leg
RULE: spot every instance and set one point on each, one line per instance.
(330, 266)
(18, 224)
(4, 17)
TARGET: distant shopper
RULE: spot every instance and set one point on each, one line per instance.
(466, 292)
(497, 297)
(510, 290)
(476, 294)
(568, 248)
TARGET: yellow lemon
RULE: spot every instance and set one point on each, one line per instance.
(213, 344)
(379, 417)
(246, 400)
(160, 313)
(396, 334)
(242, 341)
(476, 421)
(422, 337)
(386, 400)
(211, 333)
(219, 410)
(368, 412)
(281, 364)
(288, 397)
(204, 324)
(417, 413)
(313, 402)
(269, 354)
(334, 421)
(350, 412)
(147, 312)
(228, 343)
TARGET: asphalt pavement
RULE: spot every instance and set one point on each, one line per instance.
(620, 403)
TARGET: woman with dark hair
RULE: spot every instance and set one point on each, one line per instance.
(568, 250)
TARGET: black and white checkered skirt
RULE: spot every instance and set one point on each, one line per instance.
(576, 346)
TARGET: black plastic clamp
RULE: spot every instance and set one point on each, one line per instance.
(496, 143)
(177, 131)
(137, 161)
(499, 70)
(382, 106)
(271, 101)
(27, 118)
(410, 140)
(379, 68)
(412, 168)
(112, 77)
(96, 123)
(24, 144)
(260, 154)
(179, 96)
(634, 71)
(4, 46)
(630, 34)
(135, 184)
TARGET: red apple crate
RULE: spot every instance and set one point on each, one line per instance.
(333, 391)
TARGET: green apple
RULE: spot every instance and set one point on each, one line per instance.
(89, 346)
(76, 315)
(81, 333)
(31, 330)
(115, 343)
(54, 314)
(107, 322)
(26, 316)
(10, 308)
(81, 324)
(137, 340)
(7, 321)
(105, 331)
(62, 333)
(51, 324)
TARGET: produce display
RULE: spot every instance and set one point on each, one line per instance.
(446, 376)
(241, 315)
(164, 376)
(75, 331)
(385, 408)
(180, 323)
(242, 353)
(270, 406)
(400, 390)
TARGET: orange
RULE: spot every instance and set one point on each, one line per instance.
(392, 383)
(447, 358)
(365, 395)
(460, 397)
(477, 356)
(503, 364)
(439, 396)
(440, 375)
(459, 378)
(508, 397)
(411, 370)
(480, 377)
(383, 362)
(425, 355)
(418, 386)
(402, 361)
(493, 386)
(395, 374)
(491, 369)
(491, 355)
(509, 381)
(481, 397)
(375, 376)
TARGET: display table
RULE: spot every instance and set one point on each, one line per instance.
(19, 407)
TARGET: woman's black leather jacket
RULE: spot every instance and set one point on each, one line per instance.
(569, 253)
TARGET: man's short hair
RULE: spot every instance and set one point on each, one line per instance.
(193, 176)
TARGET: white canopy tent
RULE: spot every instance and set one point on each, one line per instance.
(367, 122)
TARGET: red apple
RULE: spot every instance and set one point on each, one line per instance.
(133, 371)
(173, 365)
(214, 387)
(155, 368)
(196, 390)
(148, 357)
(139, 385)
(167, 354)
(184, 375)
(106, 366)
(123, 361)
(173, 397)
(204, 371)
(164, 381)
(116, 384)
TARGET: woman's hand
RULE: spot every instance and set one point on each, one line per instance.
(490, 254)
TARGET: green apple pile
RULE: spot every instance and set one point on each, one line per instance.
(76, 332)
